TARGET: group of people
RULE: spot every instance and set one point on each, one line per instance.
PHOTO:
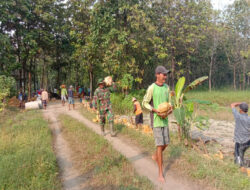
(157, 93)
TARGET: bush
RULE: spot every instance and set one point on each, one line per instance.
(6, 83)
(122, 104)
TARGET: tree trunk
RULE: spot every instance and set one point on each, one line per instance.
(210, 73)
(91, 81)
(173, 65)
(34, 76)
(29, 86)
(244, 75)
(43, 73)
(188, 69)
(234, 77)
(248, 80)
(240, 82)
(58, 78)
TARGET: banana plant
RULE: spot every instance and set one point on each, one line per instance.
(183, 108)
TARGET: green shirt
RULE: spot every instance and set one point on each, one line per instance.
(64, 92)
(154, 97)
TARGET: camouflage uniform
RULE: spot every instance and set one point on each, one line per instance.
(102, 101)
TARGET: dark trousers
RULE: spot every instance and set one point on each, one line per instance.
(239, 152)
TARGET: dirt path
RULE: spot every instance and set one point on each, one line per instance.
(142, 163)
(70, 176)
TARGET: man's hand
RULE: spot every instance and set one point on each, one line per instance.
(164, 114)
(235, 104)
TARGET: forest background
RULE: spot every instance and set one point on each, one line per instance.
(45, 43)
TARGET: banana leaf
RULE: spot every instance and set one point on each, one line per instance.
(195, 83)
(179, 114)
(178, 89)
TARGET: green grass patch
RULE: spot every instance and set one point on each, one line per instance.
(105, 167)
(27, 160)
(222, 98)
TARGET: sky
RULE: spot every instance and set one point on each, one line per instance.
(221, 4)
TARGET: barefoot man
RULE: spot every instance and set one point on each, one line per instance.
(157, 93)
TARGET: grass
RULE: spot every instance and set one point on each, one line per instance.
(224, 175)
(103, 166)
(27, 160)
(221, 100)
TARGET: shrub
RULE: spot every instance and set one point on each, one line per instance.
(6, 83)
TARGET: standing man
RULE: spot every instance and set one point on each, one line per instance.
(102, 102)
(71, 97)
(157, 93)
(20, 98)
(138, 113)
(241, 131)
(63, 94)
(45, 98)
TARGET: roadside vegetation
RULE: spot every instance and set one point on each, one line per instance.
(103, 166)
(220, 99)
(206, 168)
(27, 160)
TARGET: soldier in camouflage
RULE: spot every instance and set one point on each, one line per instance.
(102, 101)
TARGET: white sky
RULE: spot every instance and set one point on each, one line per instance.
(221, 4)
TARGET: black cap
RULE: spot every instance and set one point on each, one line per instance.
(244, 107)
(161, 69)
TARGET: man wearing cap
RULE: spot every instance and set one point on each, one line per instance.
(102, 101)
(138, 113)
(71, 97)
(241, 131)
(158, 93)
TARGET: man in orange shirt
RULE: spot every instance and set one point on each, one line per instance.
(138, 113)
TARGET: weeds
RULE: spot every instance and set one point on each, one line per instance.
(27, 160)
(107, 168)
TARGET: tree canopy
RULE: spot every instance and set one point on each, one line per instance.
(49, 42)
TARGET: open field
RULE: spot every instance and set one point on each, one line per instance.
(27, 160)
(223, 97)
(221, 100)
(103, 166)
(208, 169)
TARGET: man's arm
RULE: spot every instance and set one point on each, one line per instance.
(235, 104)
(95, 100)
(113, 87)
(134, 108)
(147, 98)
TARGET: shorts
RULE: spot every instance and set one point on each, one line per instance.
(63, 98)
(71, 100)
(139, 119)
(103, 114)
(44, 102)
(161, 135)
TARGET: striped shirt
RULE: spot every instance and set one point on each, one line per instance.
(242, 127)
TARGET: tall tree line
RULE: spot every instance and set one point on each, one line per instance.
(44, 43)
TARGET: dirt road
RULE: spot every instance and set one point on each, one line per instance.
(71, 177)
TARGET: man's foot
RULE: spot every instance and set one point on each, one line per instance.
(161, 179)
